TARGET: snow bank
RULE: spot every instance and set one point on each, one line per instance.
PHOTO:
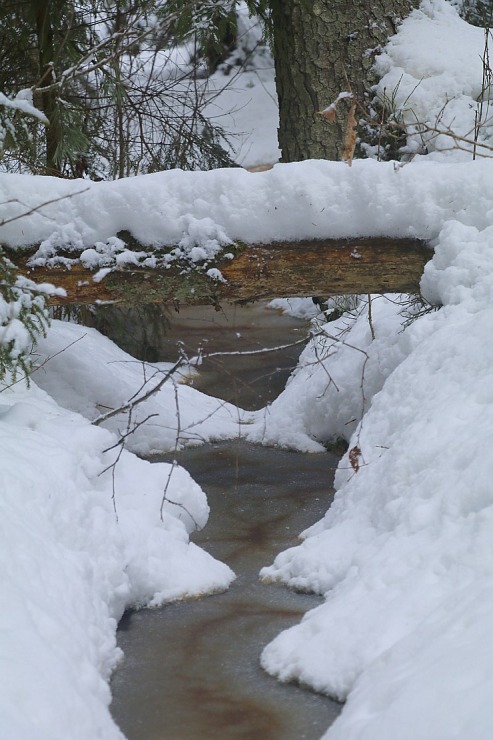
(405, 554)
(86, 372)
(71, 564)
(337, 375)
(431, 73)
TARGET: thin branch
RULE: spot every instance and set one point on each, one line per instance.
(42, 364)
(124, 436)
(198, 358)
(132, 404)
(38, 208)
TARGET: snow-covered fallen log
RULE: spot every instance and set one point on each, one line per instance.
(280, 232)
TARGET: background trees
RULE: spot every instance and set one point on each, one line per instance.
(478, 12)
(121, 83)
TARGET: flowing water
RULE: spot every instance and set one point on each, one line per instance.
(191, 669)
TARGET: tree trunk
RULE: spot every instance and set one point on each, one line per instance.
(322, 48)
(46, 50)
(303, 268)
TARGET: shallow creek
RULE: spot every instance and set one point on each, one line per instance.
(191, 669)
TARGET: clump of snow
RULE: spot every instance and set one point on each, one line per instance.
(22, 315)
(23, 102)
(113, 252)
(202, 240)
(300, 308)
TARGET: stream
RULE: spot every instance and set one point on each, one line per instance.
(191, 669)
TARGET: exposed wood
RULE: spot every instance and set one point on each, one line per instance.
(304, 268)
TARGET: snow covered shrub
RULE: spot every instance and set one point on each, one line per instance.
(478, 12)
(386, 128)
(23, 316)
(16, 114)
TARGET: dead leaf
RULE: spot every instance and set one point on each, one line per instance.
(354, 457)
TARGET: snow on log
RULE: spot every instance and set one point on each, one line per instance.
(279, 269)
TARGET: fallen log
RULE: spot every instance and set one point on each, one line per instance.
(281, 269)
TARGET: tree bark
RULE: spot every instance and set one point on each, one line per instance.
(322, 48)
(305, 268)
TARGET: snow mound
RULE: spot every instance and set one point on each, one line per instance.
(77, 547)
(86, 372)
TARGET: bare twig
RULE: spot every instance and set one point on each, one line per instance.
(38, 207)
(42, 364)
(370, 318)
(124, 436)
(132, 404)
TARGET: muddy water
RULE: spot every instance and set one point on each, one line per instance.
(191, 669)
(250, 381)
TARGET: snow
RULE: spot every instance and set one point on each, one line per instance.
(303, 308)
(76, 549)
(337, 375)
(432, 74)
(243, 98)
(404, 555)
(23, 101)
(406, 545)
(207, 210)
(85, 372)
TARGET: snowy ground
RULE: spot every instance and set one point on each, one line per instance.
(404, 556)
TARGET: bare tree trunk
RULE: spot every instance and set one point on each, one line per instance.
(322, 48)
(119, 102)
(44, 30)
